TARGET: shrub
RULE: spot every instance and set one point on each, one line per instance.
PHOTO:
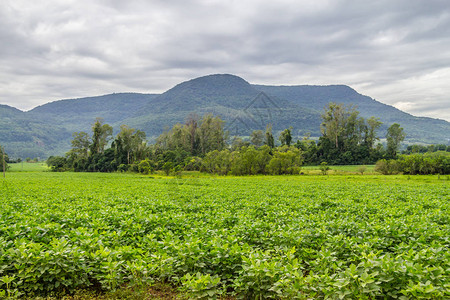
(362, 169)
(57, 163)
(167, 167)
(324, 168)
(416, 164)
(387, 167)
(146, 166)
(122, 168)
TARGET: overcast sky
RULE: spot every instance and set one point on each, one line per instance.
(397, 52)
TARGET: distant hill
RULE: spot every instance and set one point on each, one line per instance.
(418, 129)
(25, 136)
(232, 98)
(77, 114)
(47, 129)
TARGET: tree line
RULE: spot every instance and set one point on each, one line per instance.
(416, 164)
(411, 149)
(200, 144)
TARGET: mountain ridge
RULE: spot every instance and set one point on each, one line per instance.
(251, 106)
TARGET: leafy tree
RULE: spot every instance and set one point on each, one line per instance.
(425, 164)
(129, 145)
(387, 167)
(324, 168)
(371, 131)
(257, 138)
(286, 137)
(424, 149)
(238, 143)
(103, 162)
(167, 167)
(146, 166)
(333, 122)
(197, 137)
(211, 134)
(395, 135)
(416, 164)
(100, 137)
(191, 133)
(269, 141)
(286, 160)
(80, 145)
(262, 159)
(362, 169)
(57, 163)
(193, 163)
(347, 138)
(244, 161)
(122, 168)
(308, 148)
(88, 153)
(218, 162)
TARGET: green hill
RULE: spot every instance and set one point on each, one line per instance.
(47, 129)
(418, 129)
(79, 114)
(25, 136)
(237, 102)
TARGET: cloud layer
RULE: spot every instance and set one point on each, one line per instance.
(394, 51)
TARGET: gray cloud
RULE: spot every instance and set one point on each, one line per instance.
(393, 51)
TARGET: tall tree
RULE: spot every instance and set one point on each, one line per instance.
(195, 137)
(347, 138)
(257, 138)
(395, 135)
(129, 145)
(286, 137)
(80, 144)
(101, 134)
(371, 135)
(191, 128)
(333, 122)
(269, 141)
(211, 134)
(354, 127)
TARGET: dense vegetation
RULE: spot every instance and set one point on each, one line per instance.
(201, 144)
(416, 148)
(254, 237)
(416, 164)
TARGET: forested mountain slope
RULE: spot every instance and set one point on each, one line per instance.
(25, 136)
(237, 102)
(418, 129)
(47, 129)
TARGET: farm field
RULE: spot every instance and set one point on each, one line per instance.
(292, 237)
(28, 167)
(340, 170)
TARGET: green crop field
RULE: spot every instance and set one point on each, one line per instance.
(291, 237)
(341, 170)
(28, 167)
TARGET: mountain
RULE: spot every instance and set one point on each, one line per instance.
(25, 136)
(229, 96)
(418, 129)
(78, 114)
(47, 129)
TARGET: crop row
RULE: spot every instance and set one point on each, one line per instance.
(269, 237)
